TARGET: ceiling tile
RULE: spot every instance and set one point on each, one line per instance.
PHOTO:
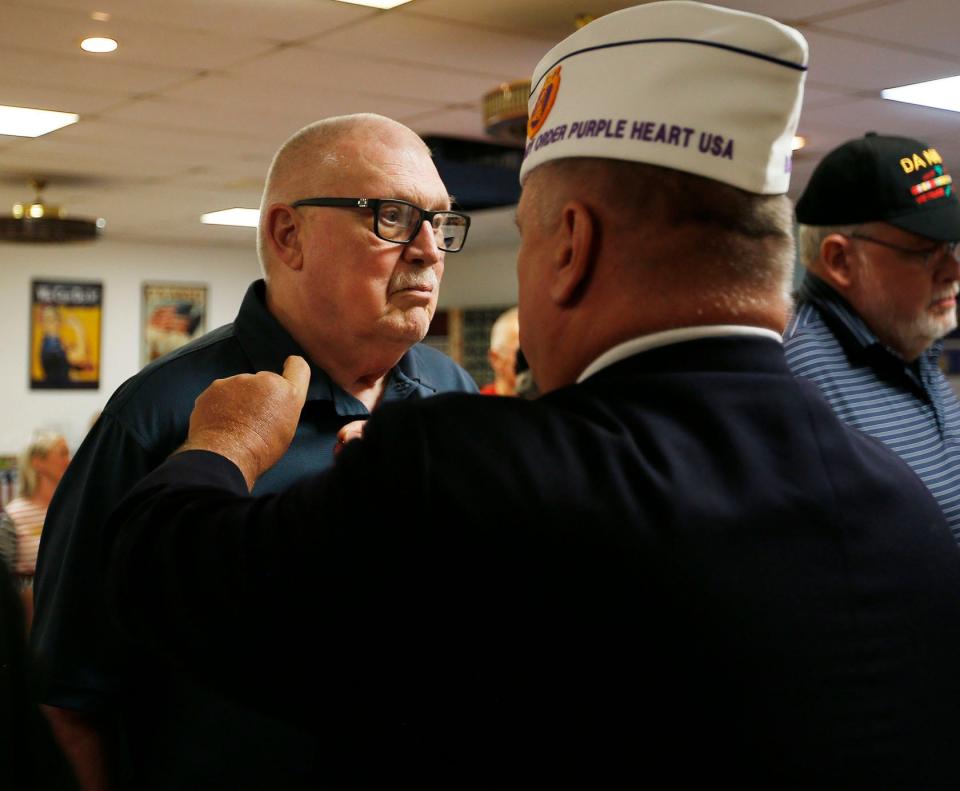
(79, 99)
(444, 44)
(280, 20)
(314, 70)
(840, 61)
(548, 20)
(276, 124)
(886, 117)
(924, 24)
(33, 67)
(154, 44)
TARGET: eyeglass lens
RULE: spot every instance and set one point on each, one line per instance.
(399, 222)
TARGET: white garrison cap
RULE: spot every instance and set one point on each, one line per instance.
(684, 85)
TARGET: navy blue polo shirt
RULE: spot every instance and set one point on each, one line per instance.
(171, 727)
(908, 406)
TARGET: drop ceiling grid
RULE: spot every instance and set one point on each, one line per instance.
(439, 44)
(276, 20)
(144, 44)
(869, 66)
(161, 123)
(314, 68)
(76, 69)
(79, 99)
(548, 21)
(928, 25)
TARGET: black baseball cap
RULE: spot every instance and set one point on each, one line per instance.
(880, 178)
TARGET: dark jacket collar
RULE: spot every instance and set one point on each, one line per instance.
(846, 323)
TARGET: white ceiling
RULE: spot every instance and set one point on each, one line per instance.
(184, 117)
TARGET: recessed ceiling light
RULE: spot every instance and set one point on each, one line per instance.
(943, 94)
(799, 141)
(97, 44)
(27, 122)
(376, 3)
(245, 217)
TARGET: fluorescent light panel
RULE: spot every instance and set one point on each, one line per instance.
(27, 122)
(376, 3)
(943, 94)
(247, 218)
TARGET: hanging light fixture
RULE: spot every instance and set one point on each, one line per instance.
(505, 107)
(37, 221)
(505, 112)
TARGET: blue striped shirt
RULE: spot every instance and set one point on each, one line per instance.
(908, 406)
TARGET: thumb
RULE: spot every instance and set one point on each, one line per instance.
(297, 372)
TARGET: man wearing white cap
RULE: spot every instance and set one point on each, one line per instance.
(692, 572)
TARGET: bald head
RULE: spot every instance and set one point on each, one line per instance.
(353, 300)
(325, 158)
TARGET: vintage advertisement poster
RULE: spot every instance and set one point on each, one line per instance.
(65, 335)
(173, 314)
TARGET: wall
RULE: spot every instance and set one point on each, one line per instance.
(479, 277)
(121, 267)
(483, 277)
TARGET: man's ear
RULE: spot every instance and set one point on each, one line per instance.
(576, 238)
(835, 265)
(281, 229)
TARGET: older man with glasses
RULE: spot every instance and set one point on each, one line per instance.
(351, 283)
(879, 224)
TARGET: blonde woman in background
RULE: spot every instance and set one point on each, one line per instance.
(41, 466)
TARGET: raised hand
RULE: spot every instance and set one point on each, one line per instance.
(250, 418)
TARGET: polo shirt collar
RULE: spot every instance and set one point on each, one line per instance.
(267, 344)
(843, 318)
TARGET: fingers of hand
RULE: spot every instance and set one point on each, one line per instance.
(297, 372)
(349, 432)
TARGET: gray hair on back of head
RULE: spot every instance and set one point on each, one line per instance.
(739, 244)
(810, 239)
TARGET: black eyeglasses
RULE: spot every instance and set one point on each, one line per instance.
(399, 221)
(928, 254)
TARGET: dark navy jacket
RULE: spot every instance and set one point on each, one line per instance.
(685, 567)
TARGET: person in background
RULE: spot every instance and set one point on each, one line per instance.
(879, 222)
(676, 568)
(504, 342)
(355, 225)
(41, 466)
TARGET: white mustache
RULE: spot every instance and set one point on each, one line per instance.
(424, 280)
(949, 293)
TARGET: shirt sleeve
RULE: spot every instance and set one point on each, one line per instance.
(81, 654)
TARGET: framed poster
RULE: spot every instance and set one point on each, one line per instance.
(65, 335)
(173, 314)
